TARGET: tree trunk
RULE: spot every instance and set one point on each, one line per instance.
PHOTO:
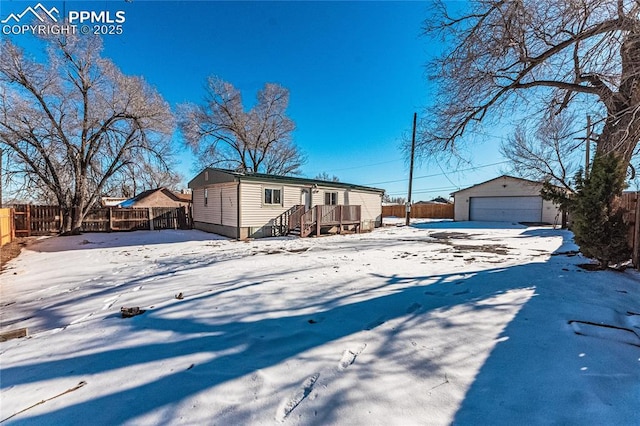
(66, 221)
(76, 221)
(620, 136)
(72, 218)
(621, 131)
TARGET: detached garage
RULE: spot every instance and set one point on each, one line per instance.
(505, 199)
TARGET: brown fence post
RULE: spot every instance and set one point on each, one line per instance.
(150, 213)
(636, 232)
(28, 220)
(174, 215)
(110, 220)
(13, 224)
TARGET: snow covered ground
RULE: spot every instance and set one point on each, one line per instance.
(439, 323)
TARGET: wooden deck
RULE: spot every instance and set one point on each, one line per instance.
(297, 221)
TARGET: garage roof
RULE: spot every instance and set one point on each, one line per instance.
(533, 182)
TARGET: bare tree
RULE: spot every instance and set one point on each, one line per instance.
(386, 198)
(76, 124)
(141, 177)
(327, 177)
(223, 134)
(548, 152)
(532, 56)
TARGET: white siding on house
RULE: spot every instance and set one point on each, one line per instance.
(221, 208)
(254, 213)
(198, 205)
(319, 194)
(371, 204)
(292, 196)
(229, 203)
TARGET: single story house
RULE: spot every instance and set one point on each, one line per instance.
(159, 197)
(253, 205)
(505, 199)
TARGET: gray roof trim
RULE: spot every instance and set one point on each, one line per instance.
(199, 182)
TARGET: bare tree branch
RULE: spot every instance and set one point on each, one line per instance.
(77, 125)
(222, 133)
(558, 53)
(546, 151)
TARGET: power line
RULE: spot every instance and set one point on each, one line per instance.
(402, 159)
(446, 175)
(440, 174)
(365, 165)
(426, 191)
(441, 188)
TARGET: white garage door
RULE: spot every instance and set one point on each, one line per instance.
(505, 209)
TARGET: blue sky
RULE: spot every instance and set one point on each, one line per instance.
(355, 71)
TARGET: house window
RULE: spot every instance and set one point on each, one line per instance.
(206, 197)
(331, 198)
(273, 196)
(206, 176)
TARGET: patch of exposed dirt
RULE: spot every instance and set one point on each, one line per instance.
(569, 253)
(448, 235)
(13, 249)
(485, 248)
(598, 267)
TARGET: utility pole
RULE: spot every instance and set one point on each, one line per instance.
(587, 153)
(413, 150)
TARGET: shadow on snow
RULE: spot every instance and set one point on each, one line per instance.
(534, 374)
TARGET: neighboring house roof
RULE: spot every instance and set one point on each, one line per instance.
(223, 175)
(112, 201)
(532, 182)
(185, 198)
(175, 196)
(436, 203)
(441, 200)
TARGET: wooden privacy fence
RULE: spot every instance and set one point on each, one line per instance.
(420, 211)
(7, 231)
(42, 220)
(134, 219)
(33, 219)
(631, 204)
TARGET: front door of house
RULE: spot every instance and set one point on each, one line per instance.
(305, 199)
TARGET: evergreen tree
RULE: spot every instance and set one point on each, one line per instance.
(596, 213)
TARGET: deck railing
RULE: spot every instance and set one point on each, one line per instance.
(287, 221)
(327, 215)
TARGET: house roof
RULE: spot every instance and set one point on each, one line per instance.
(111, 201)
(198, 181)
(176, 196)
(185, 198)
(532, 182)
